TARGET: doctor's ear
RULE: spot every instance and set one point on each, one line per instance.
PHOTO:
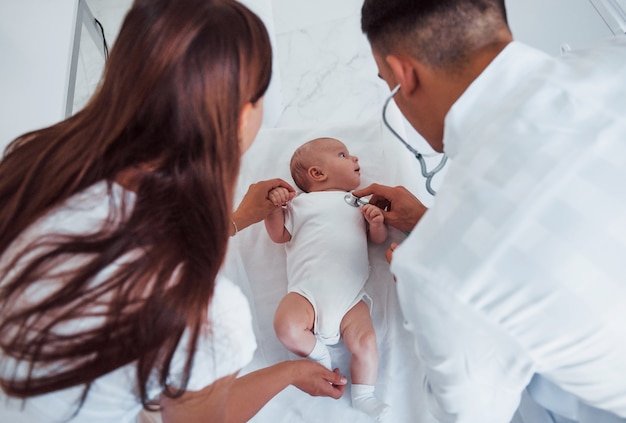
(405, 70)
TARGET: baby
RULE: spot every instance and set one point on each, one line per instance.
(327, 265)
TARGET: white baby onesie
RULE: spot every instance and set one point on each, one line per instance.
(327, 260)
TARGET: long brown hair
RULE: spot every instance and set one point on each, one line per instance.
(172, 94)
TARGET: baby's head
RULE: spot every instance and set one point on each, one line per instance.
(325, 164)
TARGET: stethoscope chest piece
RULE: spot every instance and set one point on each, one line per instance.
(355, 201)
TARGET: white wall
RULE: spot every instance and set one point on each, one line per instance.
(549, 24)
(36, 39)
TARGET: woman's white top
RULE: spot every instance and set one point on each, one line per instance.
(227, 344)
(520, 265)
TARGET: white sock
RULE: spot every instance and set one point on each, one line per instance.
(363, 399)
(320, 354)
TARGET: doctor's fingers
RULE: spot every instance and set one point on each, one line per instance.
(377, 191)
(394, 218)
(389, 253)
(405, 210)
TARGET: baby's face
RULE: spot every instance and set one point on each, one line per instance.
(343, 169)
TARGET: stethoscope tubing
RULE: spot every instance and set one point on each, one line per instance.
(420, 158)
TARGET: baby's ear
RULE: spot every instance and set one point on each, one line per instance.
(316, 173)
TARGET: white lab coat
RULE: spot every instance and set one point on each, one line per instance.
(520, 266)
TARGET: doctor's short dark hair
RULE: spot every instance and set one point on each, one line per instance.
(440, 33)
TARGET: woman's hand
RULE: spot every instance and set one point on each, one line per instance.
(256, 204)
(317, 380)
(237, 399)
(211, 404)
(401, 209)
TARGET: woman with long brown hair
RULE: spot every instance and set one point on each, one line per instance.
(114, 224)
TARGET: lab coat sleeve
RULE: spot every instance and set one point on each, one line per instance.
(473, 371)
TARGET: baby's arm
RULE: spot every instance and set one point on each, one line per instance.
(275, 222)
(377, 228)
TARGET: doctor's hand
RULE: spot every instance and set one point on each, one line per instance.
(401, 209)
(256, 204)
(389, 253)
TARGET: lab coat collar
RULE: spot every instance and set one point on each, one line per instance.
(486, 94)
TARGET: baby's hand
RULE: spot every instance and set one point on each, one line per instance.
(279, 196)
(373, 214)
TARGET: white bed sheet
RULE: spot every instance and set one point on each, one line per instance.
(257, 265)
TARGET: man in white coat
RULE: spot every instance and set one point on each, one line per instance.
(519, 268)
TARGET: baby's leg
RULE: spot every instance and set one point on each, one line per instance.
(358, 334)
(293, 324)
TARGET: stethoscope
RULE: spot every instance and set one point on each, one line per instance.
(428, 175)
(419, 156)
(355, 201)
